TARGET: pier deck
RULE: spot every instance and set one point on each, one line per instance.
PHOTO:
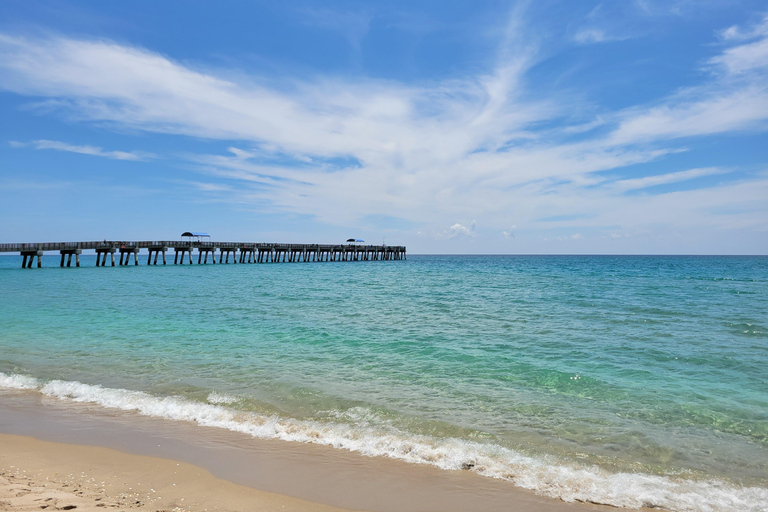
(241, 252)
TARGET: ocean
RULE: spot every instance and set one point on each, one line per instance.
(623, 380)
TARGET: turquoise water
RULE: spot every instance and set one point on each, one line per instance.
(622, 380)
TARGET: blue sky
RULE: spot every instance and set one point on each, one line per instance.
(452, 127)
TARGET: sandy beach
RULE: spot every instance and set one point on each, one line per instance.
(56, 454)
(40, 475)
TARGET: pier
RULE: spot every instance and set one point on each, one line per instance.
(240, 252)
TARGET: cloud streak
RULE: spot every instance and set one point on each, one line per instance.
(84, 150)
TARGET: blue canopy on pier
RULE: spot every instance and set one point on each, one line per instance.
(354, 240)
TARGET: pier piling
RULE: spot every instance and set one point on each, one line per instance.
(68, 253)
(101, 255)
(27, 257)
(203, 252)
(127, 251)
(182, 250)
(156, 250)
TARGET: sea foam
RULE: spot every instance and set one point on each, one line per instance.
(16, 381)
(550, 477)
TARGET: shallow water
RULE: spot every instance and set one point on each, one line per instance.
(623, 380)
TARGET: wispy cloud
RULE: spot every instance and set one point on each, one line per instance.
(664, 179)
(471, 147)
(746, 57)
(84, 150)
(738, 33)
(735, 99)
(592, 35)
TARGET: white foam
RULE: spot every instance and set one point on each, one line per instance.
(221, 399)
(554, 478)
(16, 381)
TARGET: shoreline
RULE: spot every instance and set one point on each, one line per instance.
(316, 476)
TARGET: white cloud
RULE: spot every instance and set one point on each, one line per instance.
(340, 149)
(207, 187)
(744, 58)
(509, 235)
(84, 150)
(736, 109)
(737, 33)
(592, 35)
(589, 35)
(663, 179)
(735, 99)
(458, 230)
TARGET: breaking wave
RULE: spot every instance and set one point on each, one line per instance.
(551, 477)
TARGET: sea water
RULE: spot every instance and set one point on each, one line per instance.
(629, 381)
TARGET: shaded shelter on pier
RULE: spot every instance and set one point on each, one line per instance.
(196, 236)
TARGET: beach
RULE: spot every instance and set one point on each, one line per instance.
(99, 460)
(39, 475)
(448, 383)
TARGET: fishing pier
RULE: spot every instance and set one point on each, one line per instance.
(240, 252)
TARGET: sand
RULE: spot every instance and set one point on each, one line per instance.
(91, 457)
(40, 475)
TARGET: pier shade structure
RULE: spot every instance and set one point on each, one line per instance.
(240, 252)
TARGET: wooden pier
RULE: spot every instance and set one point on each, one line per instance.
(241, 252)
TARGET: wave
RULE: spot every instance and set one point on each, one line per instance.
(367, 435)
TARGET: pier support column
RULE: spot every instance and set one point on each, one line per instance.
(68, 253)
(180, 253)
(101, 256)
(156, 250)
(125, 252)
(27, 257)
(203, 253)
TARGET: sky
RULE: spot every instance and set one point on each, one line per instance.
(540, 127)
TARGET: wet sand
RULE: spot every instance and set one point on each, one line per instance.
(39, 475)
(116, 459)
